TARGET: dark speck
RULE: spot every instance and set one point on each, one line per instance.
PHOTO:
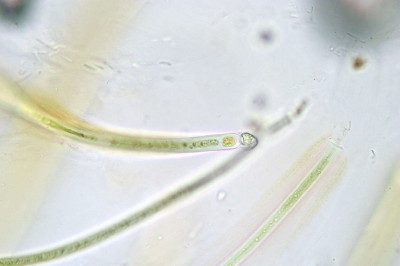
(165, 63)
(266, 36)
(358, 63)
(259, 101)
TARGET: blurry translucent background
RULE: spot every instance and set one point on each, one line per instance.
(201, 67)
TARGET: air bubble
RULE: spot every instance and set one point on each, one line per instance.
(221, 195)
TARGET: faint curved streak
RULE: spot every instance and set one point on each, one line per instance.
(61, 122)
(130, 221)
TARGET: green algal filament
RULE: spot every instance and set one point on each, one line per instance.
(260, 235)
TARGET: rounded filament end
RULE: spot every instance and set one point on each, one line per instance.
(248, 140)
